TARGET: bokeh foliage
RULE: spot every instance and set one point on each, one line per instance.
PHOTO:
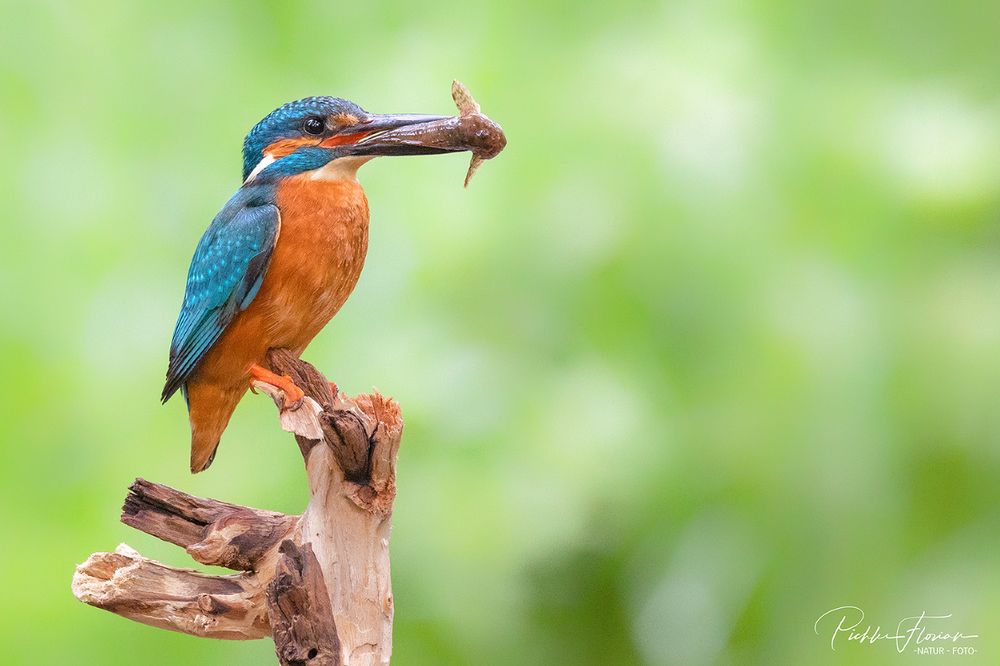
(714, 347)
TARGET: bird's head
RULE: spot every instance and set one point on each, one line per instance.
(310, 133)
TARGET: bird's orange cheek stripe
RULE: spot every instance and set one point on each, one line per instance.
(284, 147)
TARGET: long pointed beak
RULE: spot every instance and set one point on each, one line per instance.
(400, 134)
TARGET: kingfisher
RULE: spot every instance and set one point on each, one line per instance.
(281, 257)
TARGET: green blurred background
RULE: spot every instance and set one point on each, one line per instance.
(712, 348)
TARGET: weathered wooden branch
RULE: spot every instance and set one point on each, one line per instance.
(318, 583)
(298, 607)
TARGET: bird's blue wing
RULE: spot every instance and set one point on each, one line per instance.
(225, 275)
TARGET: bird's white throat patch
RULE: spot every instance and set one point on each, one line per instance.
(342, 168)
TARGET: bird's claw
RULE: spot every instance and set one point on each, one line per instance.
(292, 395)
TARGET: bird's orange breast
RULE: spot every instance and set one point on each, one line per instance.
(317, 260)
(315, 265)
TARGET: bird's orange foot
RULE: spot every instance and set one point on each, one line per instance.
(293, 394)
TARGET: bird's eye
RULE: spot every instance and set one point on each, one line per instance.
(314, 125)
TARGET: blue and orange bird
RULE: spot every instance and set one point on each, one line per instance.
(280, 258)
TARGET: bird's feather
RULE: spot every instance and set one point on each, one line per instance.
(225, 275)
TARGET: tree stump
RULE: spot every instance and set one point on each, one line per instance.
(318, 583)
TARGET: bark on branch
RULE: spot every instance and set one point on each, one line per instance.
(318, 583)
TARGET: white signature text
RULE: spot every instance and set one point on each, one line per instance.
(845, 623)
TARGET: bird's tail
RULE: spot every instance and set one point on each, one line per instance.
(209, 411)
(203, 450)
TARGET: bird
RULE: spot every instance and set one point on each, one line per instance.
(281, 257)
